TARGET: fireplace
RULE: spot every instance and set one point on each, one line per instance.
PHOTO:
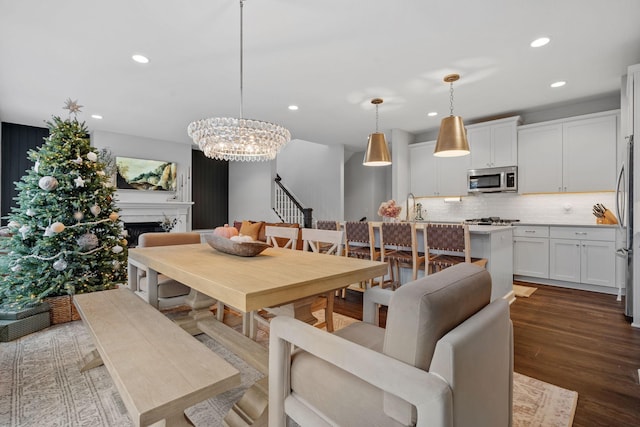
(141, 217)
(135, 229)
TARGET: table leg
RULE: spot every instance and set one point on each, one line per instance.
(132, 272)
(152, 287)
(200, 309)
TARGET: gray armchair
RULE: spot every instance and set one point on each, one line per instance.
(444, 359)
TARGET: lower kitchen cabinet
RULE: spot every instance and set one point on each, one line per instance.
(583, 261)
(531, 251)
(565, 255)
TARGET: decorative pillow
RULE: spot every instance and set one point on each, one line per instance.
(251, 229)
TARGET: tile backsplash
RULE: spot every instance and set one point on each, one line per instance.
(561, 208)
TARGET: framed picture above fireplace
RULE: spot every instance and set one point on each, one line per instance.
(145, 174)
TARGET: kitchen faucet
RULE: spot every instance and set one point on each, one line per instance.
(413, 210)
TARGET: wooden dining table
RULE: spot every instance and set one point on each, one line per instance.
(274, 277)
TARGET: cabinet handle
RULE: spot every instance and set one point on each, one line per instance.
(581, 233)
(530, 231)
(565, 188)
(559, 188)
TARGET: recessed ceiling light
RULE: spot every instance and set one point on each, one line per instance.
(141, 59)
(558, 84)
(293, 107)
(432, 114)
(540, 42)
(96, 116)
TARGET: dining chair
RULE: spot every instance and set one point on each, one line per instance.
(448, 245)
(302, 309)
(399, 247)
(282, 237)
(360, 243)
(328, 242)
(168, 288)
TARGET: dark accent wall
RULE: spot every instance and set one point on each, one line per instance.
(16, 141)
(210, 191)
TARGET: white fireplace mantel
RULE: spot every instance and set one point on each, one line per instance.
(155, 212)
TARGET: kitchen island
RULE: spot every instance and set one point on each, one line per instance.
(493, 242)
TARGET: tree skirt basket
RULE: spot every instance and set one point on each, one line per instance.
(62, 309)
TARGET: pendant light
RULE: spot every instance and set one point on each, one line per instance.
(226, 138)
(452, 138)
(377, 153)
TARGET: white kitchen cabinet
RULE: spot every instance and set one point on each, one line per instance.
(531, 251)
(583, 255)
(436, 176)
(569, 155)
(493, 143)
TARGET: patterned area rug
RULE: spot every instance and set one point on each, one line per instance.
(41, 385)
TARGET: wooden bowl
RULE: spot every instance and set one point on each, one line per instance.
(232, 247)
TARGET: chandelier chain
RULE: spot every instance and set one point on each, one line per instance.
(241, 61)
(376, 118)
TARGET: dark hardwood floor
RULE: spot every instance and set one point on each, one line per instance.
(574, 339)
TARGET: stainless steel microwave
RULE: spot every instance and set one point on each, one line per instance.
(492, 180)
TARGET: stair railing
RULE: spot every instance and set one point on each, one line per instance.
(288, 208)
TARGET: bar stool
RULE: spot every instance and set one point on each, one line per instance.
(444, 239)
(360, 243)
(398, 246)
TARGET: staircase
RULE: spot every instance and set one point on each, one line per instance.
(288, 208)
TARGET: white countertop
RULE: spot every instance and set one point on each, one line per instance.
(555, 224)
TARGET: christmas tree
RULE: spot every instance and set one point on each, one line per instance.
(66, 234)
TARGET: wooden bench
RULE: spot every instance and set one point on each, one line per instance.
(158, 368)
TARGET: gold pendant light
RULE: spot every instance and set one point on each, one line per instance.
(452, 138)
(377, 153)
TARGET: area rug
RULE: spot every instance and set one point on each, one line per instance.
(523, 291)
(41, 385)
(537, 403)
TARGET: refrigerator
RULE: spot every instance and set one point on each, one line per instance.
(624, 212)
(628, 208)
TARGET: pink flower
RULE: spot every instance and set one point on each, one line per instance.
(389, 209)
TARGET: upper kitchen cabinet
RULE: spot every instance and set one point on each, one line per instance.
(493, 144)
(569, 155)
(436, 176)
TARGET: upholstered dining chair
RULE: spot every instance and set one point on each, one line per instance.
(399, 247)
(445, 359)
(167, 287)
(449, 244)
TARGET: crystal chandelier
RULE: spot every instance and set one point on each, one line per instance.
(239, 139)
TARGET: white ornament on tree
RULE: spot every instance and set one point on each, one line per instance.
(117, 249)
(31, 212)
(95, 210)
(24, 230)
(48, 183)
(77, 160)
(79, 182)
(78, 216)
(92, 156)
(36, 166)
(48, 232)
(60, 265)
(87, 241)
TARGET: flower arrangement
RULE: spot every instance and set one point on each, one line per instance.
(389, 209)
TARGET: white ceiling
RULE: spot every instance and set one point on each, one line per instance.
(329, 57)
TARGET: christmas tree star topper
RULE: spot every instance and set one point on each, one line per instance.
(72, 106)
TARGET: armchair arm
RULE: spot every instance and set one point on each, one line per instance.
(429, 393)
(372, 298)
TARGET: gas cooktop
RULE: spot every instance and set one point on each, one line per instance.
(492, 220)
